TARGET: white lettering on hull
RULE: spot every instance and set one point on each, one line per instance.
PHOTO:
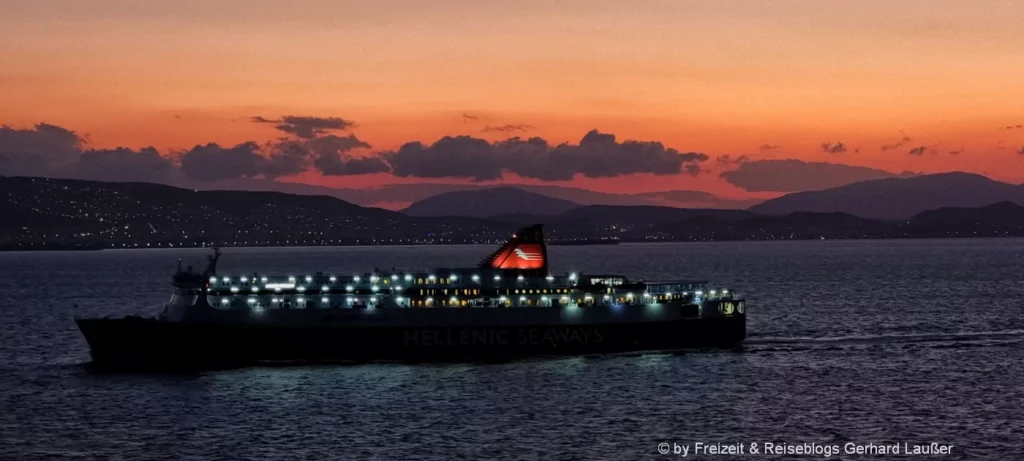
(553, 336)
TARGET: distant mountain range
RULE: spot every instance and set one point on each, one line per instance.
(887, 199)
(486, 203)
(898, 198)
(399, 196)
(43, 213)
(410, 193)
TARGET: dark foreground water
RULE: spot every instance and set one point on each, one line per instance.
(912, 342)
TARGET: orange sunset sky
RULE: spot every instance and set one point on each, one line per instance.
(714, 77)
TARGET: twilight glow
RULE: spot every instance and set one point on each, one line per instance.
(919, 86)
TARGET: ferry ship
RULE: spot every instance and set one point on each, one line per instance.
(509, 306)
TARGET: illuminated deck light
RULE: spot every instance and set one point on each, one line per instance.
(398, 288)
(263, 279)
(324, 299)
(522, 298)
(301, 289)
(572, 276)
(234, 289)
(502, 299)
(373, 278)
(227, 279)
(213, 279)
(309, 279)
(497, 278)
(348, 287)
(550, 278)
(394, 277)
(520, 278)
(374, 288)
(277, 289)
(454, 277)
(255, 289)
(408, 277)
(334, 279)
(291, 279)
(453, 299)
(224, 301)
(476, 278)
(244, 279)
(325, 288)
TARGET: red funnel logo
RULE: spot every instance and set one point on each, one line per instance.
(528, 256)
(522, 256)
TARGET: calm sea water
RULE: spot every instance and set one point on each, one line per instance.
(850, 342)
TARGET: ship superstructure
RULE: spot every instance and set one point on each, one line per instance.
(511, 303)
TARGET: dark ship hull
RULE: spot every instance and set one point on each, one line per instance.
(509, 306)
(140, 343)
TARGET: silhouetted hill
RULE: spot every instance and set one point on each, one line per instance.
(611, 220)
(72, 214)
(624, 215)
(404, 195)
(795, 226)
(489, 202)
(65, 213)
(897, 198)
(622, 222)
(998, 219)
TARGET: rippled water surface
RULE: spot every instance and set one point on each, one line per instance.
(884, 342)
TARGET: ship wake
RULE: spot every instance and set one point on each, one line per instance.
(965, 339)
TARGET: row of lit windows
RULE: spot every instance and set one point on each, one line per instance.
(463, 291)
(726, 308)
(245, 281)
(542, 291)
(443, 303)
(420, 280)
(476, 291)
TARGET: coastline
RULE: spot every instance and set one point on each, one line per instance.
(84, 248)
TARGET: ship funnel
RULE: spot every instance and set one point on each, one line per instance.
(525, 250)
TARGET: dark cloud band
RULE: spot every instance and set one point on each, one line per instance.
(48, 150)
(598, 155)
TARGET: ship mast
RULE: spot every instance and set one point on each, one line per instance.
(211, 266)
